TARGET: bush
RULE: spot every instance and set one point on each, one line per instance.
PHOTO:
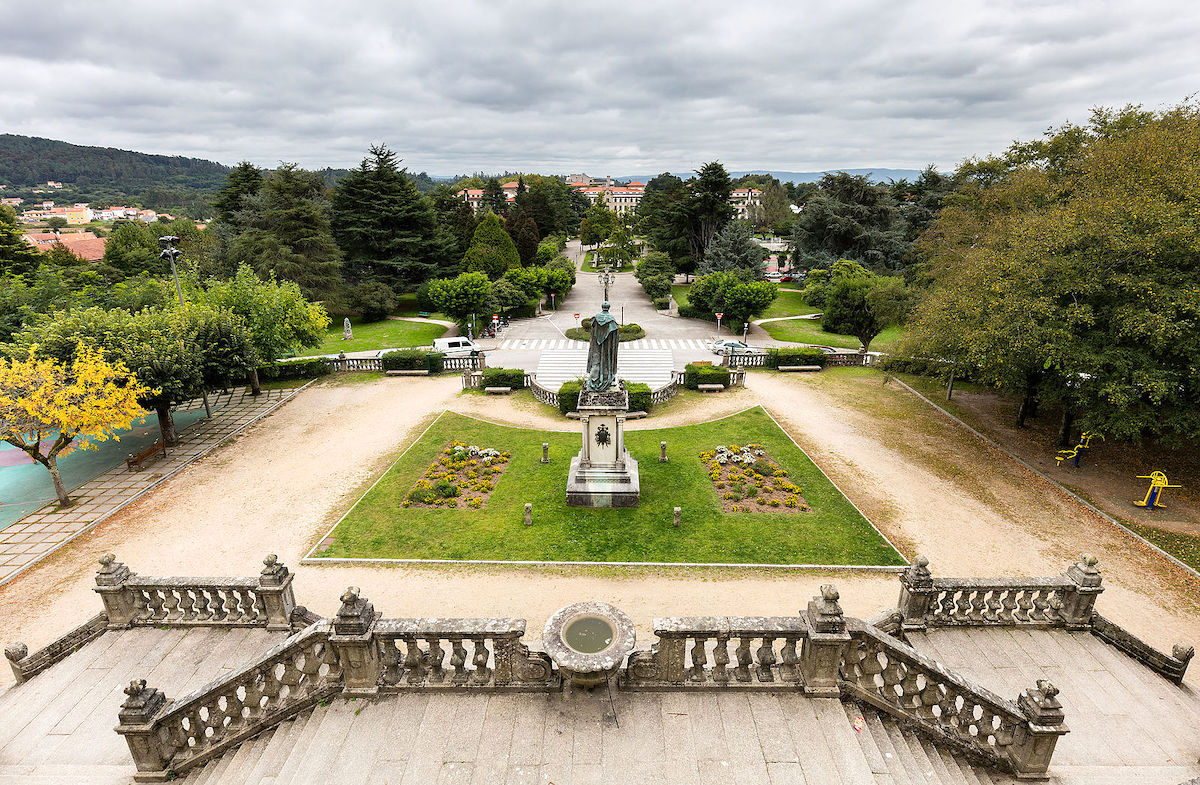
(425, 301)
(504, 377)
(662, 303)
(626, 332)
(414, 360)
(690, 311)
(299, 369)
(657, 286)
(373, 300)
(568, 396)
(639, 397)
(695, 375)
(800, 356)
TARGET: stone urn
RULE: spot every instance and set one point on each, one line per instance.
(588, 641)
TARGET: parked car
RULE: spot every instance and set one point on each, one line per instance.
(455, 347)
(774, 277)
(733, 346)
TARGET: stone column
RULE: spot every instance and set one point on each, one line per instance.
(528, 514)
(916, 590)
(275, 589)
(1080, 604)
(353, 640)
(1034, 744)
(662, 452)
(545, 452)
(821, 656)
(150, 756)
(119, 605)
(585, 454)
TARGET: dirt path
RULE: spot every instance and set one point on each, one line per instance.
(280, 486)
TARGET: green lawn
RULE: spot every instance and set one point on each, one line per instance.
(406, 305)
(377, 335)
(809, 331)
(788, 304)
(833, 533)
(589, 264)
(680, 292)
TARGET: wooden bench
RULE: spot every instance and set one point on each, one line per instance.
(156, 449)
(710, 388)
(422, 372)
(789, 368)
(423, 314)
(497, 390)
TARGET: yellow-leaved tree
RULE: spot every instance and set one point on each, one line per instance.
(45, 401)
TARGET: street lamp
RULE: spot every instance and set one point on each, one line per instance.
(607, 278)
(171, 253)
(745, 330)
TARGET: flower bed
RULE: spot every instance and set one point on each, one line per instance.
(463, 476)
(748, 480)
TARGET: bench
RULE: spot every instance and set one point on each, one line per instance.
(421, 372)
(497, 390)
(710, 388)
(788, 368)
(158, 448)
(424, 314)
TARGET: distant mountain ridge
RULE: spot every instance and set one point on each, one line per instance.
(879, 174)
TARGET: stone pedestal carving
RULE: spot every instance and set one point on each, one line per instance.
(604, 474)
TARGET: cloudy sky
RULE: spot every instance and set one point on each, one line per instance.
(609, 87)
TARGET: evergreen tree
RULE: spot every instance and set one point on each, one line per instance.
(734, 250)
(524, 233)
(707, 209)
(492, 251)
(17, 257)
(385, 229)
(455, 217)
(245, 180)
(494, 198)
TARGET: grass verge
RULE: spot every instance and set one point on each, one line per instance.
(809, 331)
(377, 335)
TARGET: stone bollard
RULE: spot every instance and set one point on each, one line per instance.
(353, 640)
(821, 657)
(275, 591)
(916, 591)
(678, 516)
(150, 755)
(545, 452)
(119, 605)
(1034, 744)
(662, 452)
(528, 514)
(1181, 652)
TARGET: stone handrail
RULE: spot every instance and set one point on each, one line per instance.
(465, 363)
(1171, 666)
(895, 678)
(175, 736)
(133, 600)
(540, 393)
(25, 665)
(433, 653)
(765, 653)
(664, 393)
(355, 363)
(843, 359)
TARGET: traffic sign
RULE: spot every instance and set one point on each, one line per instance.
(576, 316)
(495, 317)
(720, 314)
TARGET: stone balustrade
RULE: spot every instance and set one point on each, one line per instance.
(26, 665)
(434, 653)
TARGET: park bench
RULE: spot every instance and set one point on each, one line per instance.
(158, 448)
(787, 368)
(497, 390)
(710, 388)
(424, 314)
(412, 372)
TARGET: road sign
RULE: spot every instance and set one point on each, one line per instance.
(576, 316)
(720, 314)
(495, 317)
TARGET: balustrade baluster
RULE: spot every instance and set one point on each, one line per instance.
(154, 601)
(458, 660)
(947, 603)
(720, 673)
(170, 602)
(1025, 603)
(482, 673)
(909, 686)
(1009, 602)
(389, 657)
(788, 670)
(270, 684)
(203, 613)
(1041, 601)
(744, 658)
(766, 659)
(696, 672)
(976, 614)
(186, 605)
(436, 655)
(413, 661)
(249, 603)
(217, 604)
(992, 601)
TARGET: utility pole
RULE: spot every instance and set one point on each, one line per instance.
(170, 253)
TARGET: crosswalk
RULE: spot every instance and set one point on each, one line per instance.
(545, 344)
(648, 366)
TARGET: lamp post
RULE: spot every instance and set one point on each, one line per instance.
(606, 277)
(170, 253)
(745, 330)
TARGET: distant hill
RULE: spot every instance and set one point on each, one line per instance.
(878, 174)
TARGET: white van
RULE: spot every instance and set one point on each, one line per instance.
(455, 347)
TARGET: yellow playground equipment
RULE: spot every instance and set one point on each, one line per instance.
(1158, 481)
(1085, 442)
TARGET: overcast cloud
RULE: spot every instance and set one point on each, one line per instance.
(610, 87)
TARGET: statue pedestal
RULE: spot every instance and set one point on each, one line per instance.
(604, 474)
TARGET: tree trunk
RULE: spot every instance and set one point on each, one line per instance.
(59, 489)
(950, 384)
(1027, 410)
(1065, 428)
(255, 384)
(166, 424)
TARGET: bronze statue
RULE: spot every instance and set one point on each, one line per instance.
(602, 351)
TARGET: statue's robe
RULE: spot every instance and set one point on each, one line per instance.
(602, 352)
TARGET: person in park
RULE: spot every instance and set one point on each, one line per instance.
(602, 351)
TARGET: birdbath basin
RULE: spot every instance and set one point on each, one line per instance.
(588, 641)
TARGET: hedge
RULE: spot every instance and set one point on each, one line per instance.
(568, 396)
(504, 377)
(628, 332)
(690, 311)
(694, 375)
(662, 303)
(414, 360)
(299, 369)
(798, 356)
(639, 396)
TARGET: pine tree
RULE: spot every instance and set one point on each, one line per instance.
(734, 250)
(524, 233)
(17, 257)
(245, 180)
(492, 251)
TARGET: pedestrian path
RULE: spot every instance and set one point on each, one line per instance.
(546, 344)
(648, 366)
(49, 528)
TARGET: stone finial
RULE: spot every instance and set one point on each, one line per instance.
(1180, 651)
(15, 652)
(273, 572)
(142, 704)
(356, 614)
(112, 572)
(528, 514)
(1084, 572)
(917, 574)
(824, 612)
(1041, 704)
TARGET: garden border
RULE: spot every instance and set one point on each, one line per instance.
(309, 559)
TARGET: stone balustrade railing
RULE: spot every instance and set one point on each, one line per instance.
(26, 665)
(449, 653)
(354, 363)
(540, 393)
(170, 737)
(134, 600)
(468, 362)
(1171, 666)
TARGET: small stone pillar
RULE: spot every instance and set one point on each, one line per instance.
(150, 756)
(821, 656)
(1080, 604)
(275, 589)
(545, 452)
(528, 514)
(119, 605)
(1034, 744)
(353, 639)
(1180, 651)
(678, 516)
(662, 452)
(916, 590)
(14, 653)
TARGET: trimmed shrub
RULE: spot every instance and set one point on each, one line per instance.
(656, 286)
(690, 311)
(414, 360)
(798, 356)
(627, 332)
(298, 369)
(504, 377)
(695, 375)
(373, 300)
(568, 396)
(639, 397)
(662, 303)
